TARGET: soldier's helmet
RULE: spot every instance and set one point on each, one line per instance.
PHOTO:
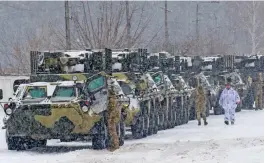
(228, 80)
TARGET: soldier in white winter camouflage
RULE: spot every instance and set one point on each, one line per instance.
(229, 100)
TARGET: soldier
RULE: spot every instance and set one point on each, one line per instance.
(229, 100)
(258, 91)
(198, 96)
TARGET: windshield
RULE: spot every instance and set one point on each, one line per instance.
(64, 92)
(125, 88)
(96, 84)
(157, 79)
(34, 92)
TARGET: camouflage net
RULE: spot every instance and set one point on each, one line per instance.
(113, 119)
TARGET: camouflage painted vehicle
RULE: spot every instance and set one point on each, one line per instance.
(141, 113)
(26, 94)
(182, 99)
(76, 109)
(175, 92)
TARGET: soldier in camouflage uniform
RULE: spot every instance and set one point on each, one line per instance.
(258, 91)
(198, 97)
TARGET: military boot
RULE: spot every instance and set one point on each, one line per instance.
(226, 122)
(199, 123)
(232, 122)
(205, 123)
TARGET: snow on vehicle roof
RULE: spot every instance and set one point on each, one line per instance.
(38, 84)
(209, 59)
(76, 54)
(66, 83)
(255, 56)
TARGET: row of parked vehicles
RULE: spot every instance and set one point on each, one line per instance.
(68, 95)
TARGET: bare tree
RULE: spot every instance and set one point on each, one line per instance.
(16, 50)
(106, 26)
(252, 21)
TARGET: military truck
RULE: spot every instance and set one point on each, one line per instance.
(181, 103)
(75, 109)
(141, 113)
(27, 94)
(173, 104)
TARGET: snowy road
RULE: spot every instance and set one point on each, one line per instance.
(189, 143)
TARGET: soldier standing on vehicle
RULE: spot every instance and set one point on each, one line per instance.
(198, 96)
(229, 100)
(258, 91)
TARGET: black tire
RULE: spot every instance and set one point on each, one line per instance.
(122, 133)
(161, 121)
(100, 140)
(218, 110)
(12, 143)
(165, 123)
(137, 129)
(15, 143)
(145, 126)
(151, 125)
(155, 129)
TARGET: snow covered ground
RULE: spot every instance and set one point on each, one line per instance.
(215, 143)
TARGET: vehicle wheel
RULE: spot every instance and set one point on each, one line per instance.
(137, 129)
(187, 116)
(218, 110)
(208, 107)
(155, 129)
(15, 143)
(122, 133)
(99, 140)
(145, 125)
(161, 121)
(166, 122)
(151, 124)
(177, 123)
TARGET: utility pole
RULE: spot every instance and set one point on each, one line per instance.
(128, 24)
(197, 27)
(166, 26)
(67, 25)
(197, 23)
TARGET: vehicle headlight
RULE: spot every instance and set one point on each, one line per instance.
(8, 111)
(85, 108)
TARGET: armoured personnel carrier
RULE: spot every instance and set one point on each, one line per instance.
(27, 94)
(79, 105)
(182, 99)
(144, 96)
(175, 93)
